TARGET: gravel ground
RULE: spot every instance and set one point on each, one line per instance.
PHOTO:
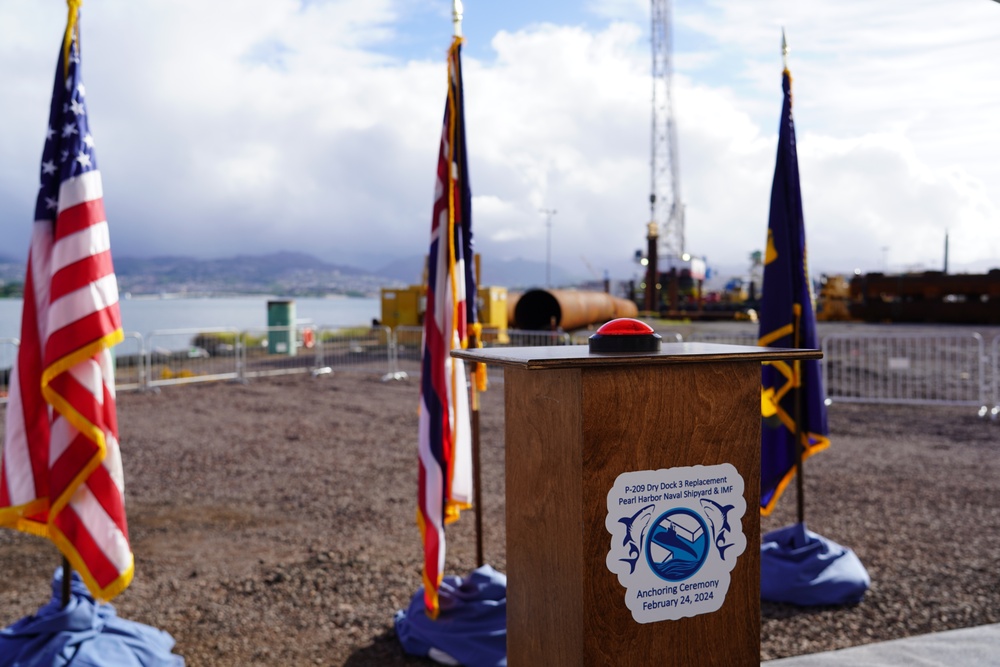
(273, 522)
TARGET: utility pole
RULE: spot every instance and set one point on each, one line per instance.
(548, 213)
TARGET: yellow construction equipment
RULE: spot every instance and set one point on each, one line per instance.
(405, 307)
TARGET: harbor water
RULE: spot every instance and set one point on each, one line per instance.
(147, 314)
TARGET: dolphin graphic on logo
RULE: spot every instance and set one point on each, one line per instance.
(718, 516)
(635, 531)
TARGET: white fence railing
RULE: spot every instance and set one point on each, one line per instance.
(958, 369)
(405, 354)
(130, 362)
(900, 368)
(356, 349)
(182, 356)
(267, 351)
(408, 346)
(995, 372)
(735, 338)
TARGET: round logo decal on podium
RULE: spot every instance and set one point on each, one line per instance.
(675, 537)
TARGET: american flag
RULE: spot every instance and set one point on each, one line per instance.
(445, 475)
(60, 470)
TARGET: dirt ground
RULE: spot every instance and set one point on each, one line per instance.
(273, 522)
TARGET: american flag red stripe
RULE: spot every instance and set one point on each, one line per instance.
(81, 216)
(85, 271)
(90, 327)
(445, 449)
(60, 470)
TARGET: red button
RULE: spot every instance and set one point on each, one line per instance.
(625, 326)
(624, 335)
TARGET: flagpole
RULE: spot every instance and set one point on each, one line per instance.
(72, 30)
(474, 341)
(797, 369)
(797, 365)
(67, 577)
(477, 493)
(456, 17)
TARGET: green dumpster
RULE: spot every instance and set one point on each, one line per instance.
(281, 327)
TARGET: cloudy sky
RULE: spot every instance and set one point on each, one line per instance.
(248, 126)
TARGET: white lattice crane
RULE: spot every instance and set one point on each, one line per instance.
(665, 204)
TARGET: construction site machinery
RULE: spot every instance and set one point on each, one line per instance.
(931, 296)
(665, 231)
(833, 299)
(405, 307)
(567, 310)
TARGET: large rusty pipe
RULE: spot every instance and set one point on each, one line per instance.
(512, 299)
(568, 309)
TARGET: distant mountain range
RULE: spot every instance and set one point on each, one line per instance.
(285, 273)
(513, 273)
(291, 274)
(253, 268)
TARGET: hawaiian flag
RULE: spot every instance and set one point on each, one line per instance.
(60, 469)
(445, 475)
(787, 319)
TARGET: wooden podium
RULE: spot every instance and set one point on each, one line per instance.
(575, 421)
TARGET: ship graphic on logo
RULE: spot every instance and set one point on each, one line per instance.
(677, 544)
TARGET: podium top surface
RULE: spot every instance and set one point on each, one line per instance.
(573, 356)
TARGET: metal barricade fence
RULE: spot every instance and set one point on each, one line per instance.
(520, 338)
(406, 342)
(130, 362)
(8, 357)
(278, 350)
(179, 356)
(129, 356)
(877, 368)
(735, 338)
(526, 338)
(355, 349)
(407, 345)
(995, 356)
(925, 369)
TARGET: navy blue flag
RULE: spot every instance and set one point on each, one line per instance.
(787, 319)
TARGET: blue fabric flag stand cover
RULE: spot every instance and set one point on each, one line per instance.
(803, 568)
(471, 628)
(85, 633)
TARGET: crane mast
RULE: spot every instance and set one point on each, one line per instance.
(665, 205)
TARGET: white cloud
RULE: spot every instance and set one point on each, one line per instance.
(272, 124)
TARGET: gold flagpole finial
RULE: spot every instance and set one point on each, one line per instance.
(73, 6)
(456, 16)
(784, 49)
